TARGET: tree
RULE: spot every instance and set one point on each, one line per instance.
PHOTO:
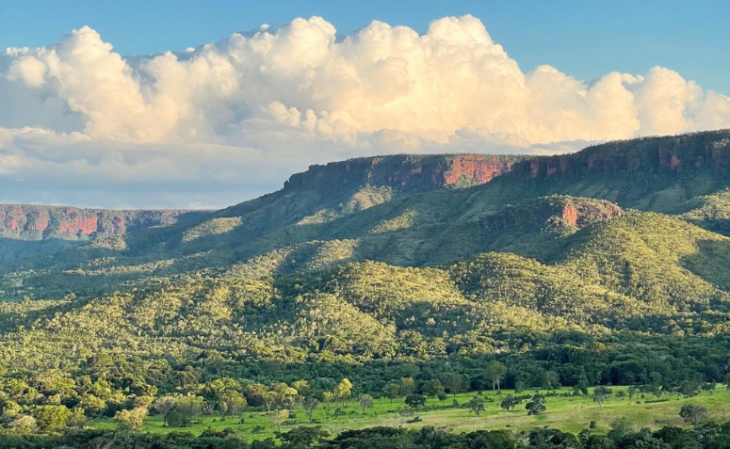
(77, 419)
(310, 404)
(582, 384)
(269, 398)
(236, 406)
(163, 405)
(51, 418)
(520, 385)
(476, 405)
(303, 437)
(495, 373)
(689, 388)
(143, 401)
(554, 438)
(329, 398)
(550, 380)
(302, 386)
(453, 383)
(11, 409)
(415, 401)
(190, 406)
(131, 420)
(433, 387)
(509, 403)
(343, 391)
(286, 395)
(366, 402)
(92, 404)
(175, 418)
(391, 391)
(536, 405)
(407, 386)
(277, 417)
(222, 408)
(600, 394)
(693, 414)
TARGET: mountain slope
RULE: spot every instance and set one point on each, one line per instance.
(405, 210)
(642, 272)
(430, 270)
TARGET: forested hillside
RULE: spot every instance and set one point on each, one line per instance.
(404, 211)
(605, 267)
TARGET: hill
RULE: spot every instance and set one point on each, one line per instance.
(28, 230)
(606, 267)
(31, 222)
(403, 210)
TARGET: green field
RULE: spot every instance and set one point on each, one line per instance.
(568, 413)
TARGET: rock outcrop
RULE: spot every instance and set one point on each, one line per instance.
(30, 222)
(673, 154)
(405, 172)
(561, 214)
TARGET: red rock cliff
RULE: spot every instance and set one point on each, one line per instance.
(673, 154)
(29, 222)
(419, 173)
(552, 212)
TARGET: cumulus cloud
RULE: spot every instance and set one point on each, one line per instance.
(279, 98)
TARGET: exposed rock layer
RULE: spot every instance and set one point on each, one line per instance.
(30, 222)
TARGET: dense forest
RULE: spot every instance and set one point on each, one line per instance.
(393, 276)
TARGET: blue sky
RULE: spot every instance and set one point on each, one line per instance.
(583, 38)
(93, 112)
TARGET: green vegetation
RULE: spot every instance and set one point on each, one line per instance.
(563, 411)
(572, 292)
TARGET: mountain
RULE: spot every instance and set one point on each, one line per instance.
(407, 211)
(322, 194)
(608, 266)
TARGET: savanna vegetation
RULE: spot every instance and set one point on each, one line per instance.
(534, 300)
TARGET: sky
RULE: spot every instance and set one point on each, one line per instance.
(183, 104)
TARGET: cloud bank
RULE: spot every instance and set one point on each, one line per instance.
(229, 120)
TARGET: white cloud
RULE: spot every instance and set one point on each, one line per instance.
(279, 98)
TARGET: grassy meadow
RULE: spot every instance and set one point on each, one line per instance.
(566, 412)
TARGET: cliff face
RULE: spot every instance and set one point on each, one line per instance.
(552, 214)
(708, 151)
(421, 173)
(404, 172)
(29, 222)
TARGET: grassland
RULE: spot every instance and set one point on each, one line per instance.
(564, 411)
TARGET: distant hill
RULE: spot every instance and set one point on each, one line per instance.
(33, 222)
(32, 230)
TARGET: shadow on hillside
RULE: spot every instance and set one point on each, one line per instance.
(711, 262)
(13, 251)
